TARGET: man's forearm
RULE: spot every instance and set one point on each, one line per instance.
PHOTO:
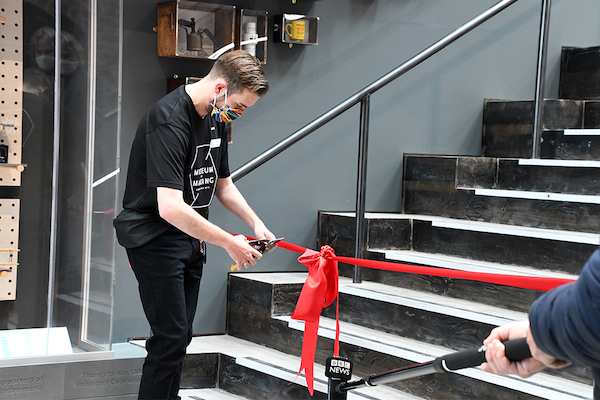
(183, 217)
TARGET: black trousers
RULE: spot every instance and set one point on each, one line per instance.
(168, 271)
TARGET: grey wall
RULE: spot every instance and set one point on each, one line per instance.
(436, 108)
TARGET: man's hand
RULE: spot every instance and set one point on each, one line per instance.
(497, 362)
(242, 253)
(261, 232)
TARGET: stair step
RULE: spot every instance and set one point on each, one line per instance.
(542, 385)
(433, 303)
(508, 128)
(481, 226)
(462, 264)
(515, 230)
(280, 367)
(578, 177)
(540, 248)
(430, 187)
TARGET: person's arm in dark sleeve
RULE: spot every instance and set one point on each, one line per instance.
(563, 327)
(565, 322)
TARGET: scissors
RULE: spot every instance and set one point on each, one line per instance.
(262, 246)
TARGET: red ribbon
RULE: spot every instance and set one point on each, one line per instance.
(321, 289)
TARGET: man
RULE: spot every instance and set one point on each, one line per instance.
(178, 163)
(563, 327)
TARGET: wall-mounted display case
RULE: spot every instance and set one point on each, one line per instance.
(190, 29)
(252, 28)
(296, 29)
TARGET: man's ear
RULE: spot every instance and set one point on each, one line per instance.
(220, 86)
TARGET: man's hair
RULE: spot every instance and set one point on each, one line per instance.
(241, 71)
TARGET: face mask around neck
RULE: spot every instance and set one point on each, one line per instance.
(224, 113)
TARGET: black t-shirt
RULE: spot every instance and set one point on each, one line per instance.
(175, 148)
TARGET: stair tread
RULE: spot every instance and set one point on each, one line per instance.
(489, 227)
(464, 264)
(541, 384)
(279, 364)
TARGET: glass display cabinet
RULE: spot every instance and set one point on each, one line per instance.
(252, 33)
(190, 29)
(296, 29)
(59, 163)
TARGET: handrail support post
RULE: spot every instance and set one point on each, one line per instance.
(538, 117)
(361, 185)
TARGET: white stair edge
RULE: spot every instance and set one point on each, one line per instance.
(530, 195)
(464, 264)
(541, 384)
(584, 132)
(489, 227)
(444, 305)
(545, 162)
(522, 231)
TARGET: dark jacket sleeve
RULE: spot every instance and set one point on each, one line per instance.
(565, 322)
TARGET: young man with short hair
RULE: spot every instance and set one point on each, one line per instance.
(178, 163)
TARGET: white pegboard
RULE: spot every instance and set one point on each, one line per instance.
(11, 88)
(9, 245)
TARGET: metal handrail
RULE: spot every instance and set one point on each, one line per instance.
(540, 79)
(363, 97)
(372, 88)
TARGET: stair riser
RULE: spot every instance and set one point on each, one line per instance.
(508, 129)
(339, 232)
(461, 204)
(504, 249)
(249, 309)
(485, 293)
(507, 174)
(254, 384)
(580, 73)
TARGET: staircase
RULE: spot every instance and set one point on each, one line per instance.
(501, 213)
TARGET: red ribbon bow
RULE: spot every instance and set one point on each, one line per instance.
(319, 290)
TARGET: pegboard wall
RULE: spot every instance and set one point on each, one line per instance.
(11, 91)
(9, 245)
(11, 94)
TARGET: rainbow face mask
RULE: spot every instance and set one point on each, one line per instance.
(225, 113)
